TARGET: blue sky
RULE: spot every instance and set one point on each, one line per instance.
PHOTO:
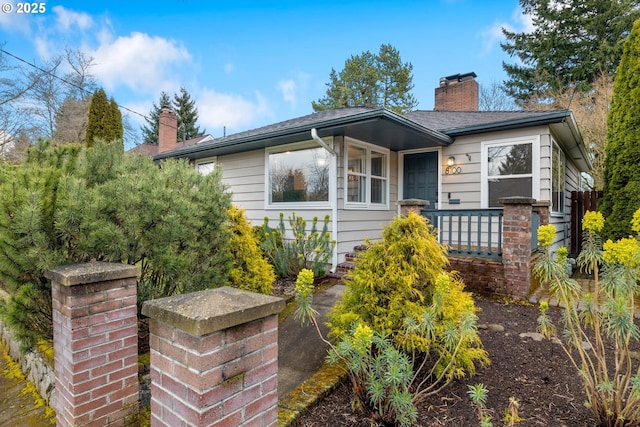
(248, 64)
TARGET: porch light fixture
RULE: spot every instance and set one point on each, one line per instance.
(451, 168)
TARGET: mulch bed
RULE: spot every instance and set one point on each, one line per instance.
(536, 373)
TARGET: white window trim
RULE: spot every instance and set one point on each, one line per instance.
(297, 205)
(367, 205)
(554, 145)
(535, 167)
(205, 161)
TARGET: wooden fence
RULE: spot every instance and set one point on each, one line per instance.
(581, 202)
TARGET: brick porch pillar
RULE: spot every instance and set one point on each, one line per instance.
(214, 358)
(95, 339)
(412, 205)
(516, 245)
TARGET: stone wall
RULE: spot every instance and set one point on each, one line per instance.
(35, 367)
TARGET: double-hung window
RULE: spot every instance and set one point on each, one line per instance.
(558, 165)
(367, 176)
(510, 169)
(298, 175)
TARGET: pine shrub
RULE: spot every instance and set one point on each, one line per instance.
(67, 205)
(303, 249)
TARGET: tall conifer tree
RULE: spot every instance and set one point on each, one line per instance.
(105, 120)
(621, 172)
(187, 112)
(150, 131)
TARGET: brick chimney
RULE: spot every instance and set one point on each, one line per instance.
(167, 130)
(458, 92)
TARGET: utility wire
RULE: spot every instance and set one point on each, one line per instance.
(2, 50)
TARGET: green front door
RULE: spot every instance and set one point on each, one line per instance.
(421, 177)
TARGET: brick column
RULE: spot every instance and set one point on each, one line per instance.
(412, 205)
(214, 358)
(516, 245)
(542, 208)
(95, 339)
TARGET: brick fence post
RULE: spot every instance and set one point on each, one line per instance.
(516, 245)
(95, 339)
(214, 358)
(412, 205)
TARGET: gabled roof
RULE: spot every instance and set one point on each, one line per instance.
(417, 129)
(152, 149)
(376, 125)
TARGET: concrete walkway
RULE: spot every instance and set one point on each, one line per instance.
(301, 352)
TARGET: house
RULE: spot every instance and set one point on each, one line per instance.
(359, 164)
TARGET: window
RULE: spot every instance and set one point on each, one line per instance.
(510, 169)
(298, 175)
(558, 164)
(367, 176)
(205, 167)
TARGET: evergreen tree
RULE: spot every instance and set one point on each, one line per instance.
(185, 108)
(150, 131)
(621, 172)
(66, 205)
(105, 120)
(381, 80)
(572, 43)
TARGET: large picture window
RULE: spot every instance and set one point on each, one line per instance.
(367, 176)
(509, 171)
(299, 176)
(558, 165)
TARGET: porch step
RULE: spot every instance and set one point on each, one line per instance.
(349, 264)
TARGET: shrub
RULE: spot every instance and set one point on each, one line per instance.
(598, 334)
(400, 288)
(311, 250)
(67, 205)
(405, 328)
(249, 271)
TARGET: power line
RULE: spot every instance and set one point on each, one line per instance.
(71, 83)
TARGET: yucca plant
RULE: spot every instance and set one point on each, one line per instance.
(599, 326)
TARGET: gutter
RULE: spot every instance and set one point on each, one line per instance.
(333, 187)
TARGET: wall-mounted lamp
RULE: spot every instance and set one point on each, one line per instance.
(451, 168)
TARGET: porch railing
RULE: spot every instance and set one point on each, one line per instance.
(474, 232)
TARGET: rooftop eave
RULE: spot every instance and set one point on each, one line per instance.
(297, 133)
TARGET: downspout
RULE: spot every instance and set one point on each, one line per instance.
(333, 187)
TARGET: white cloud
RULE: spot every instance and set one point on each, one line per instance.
(232, 111)
(18, 22)
(492, 36)
(288, 90)
(67, 19)
(143, 63)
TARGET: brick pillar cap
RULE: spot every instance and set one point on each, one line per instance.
(91, 272)
(517, 200)
(413, 202)
(201, 313)
(542, 203)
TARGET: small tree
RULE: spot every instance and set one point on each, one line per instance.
(598, 334)
(105, 120)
